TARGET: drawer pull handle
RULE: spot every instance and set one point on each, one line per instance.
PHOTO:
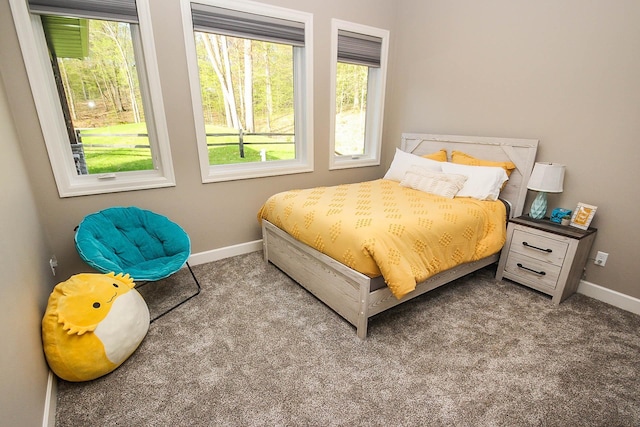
(535, 247)
(541, 273)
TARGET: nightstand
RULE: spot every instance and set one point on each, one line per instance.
(545, 256)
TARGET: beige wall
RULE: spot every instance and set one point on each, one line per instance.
(24, 288)
(215, 215)
(566, 72)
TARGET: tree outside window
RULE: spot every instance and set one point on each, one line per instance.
(358, 77)
(247, 95)
(351, 109)
(94, 78)
(100, 94)
(250, 76)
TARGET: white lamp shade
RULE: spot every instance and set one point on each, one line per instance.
(547, 177)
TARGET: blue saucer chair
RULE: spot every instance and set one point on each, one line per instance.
(143, 244)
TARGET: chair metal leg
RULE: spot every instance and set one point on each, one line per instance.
(181, 302)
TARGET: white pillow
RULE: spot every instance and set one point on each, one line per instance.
(402, 161)
(441, 184)
(483, 182)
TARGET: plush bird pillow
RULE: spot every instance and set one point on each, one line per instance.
(92, 324)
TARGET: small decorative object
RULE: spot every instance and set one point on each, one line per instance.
(583, 215)
(565, 220)
(92, 324)
(558, 214)
(545, 178)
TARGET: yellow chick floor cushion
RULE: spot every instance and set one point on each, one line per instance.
(92, 324)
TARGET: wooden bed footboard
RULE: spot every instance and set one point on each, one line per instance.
(343, 289)
(315, 271)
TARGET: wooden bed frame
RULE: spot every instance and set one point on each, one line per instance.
(355, 296)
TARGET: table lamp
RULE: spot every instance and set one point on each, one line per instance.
(545, 178)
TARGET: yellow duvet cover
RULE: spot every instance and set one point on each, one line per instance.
(379, 227)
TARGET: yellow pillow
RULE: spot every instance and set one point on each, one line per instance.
(464, 159)
(438, 156)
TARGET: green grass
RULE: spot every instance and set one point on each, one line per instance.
(107, 160)
(225, 155)
(230, 154)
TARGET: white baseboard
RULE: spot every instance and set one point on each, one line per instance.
(589, 289)
(609, 296)
(49, 416)
(227, 252)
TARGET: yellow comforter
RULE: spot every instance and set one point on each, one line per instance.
(378, 227)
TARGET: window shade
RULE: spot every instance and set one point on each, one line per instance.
(69, 37)
(236, 23)
(111, 10)
(360, 49)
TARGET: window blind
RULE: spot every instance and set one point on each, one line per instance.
(111, 10)
(237, 23)
(359, 49)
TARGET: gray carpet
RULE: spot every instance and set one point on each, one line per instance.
(255, 349)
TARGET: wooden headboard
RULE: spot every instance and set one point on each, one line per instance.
(522, 152)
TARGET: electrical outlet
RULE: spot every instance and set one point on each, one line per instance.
(53, 263)
(601, 258)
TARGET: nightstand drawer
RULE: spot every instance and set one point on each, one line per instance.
(532, 272)
(538, 246)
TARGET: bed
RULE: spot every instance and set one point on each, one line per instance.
(358, 292)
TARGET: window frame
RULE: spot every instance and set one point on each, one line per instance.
(36, 58)
(303, 96)
(376, 85)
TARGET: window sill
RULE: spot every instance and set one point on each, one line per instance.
(256, 170)
(348, 162)
(89, 185)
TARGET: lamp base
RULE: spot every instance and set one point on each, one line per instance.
(539, 206)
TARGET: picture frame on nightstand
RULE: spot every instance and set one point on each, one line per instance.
(583, 215)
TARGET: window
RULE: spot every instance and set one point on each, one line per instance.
(358, 78)
(93, 74)
(250, 74)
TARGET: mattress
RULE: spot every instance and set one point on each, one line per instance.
(382, 228)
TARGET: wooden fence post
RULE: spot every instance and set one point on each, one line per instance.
(241, 142)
